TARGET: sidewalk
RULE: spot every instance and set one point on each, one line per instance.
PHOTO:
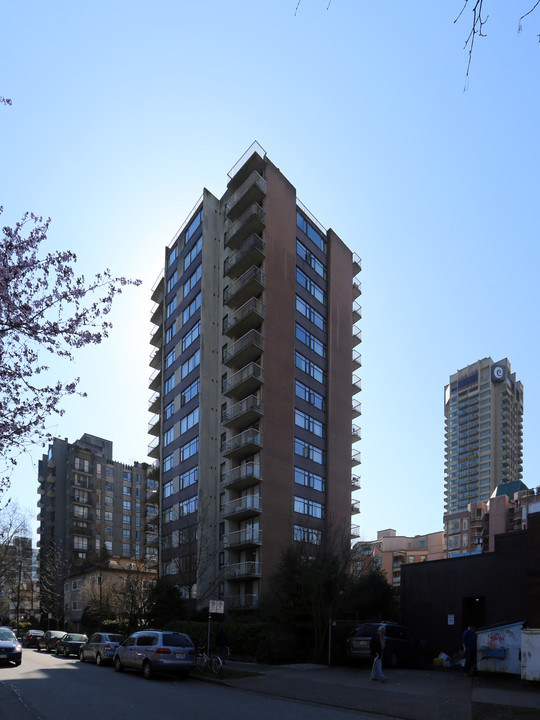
(407, 694)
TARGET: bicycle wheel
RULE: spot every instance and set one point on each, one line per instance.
(201, 662)
(216, 664)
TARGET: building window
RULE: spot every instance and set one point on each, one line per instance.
(307, 535)
(189, 449)
(171, 332)
(173, 255)
(191, 336)
(310, 340)
(190, 392)
(126, 519)
(308, 507)
(310, 313)
(171, 282)
(168, 437)
(309, 367)
(309, 451)
(197, 220)
(170, 358)
(171, 307)
(108, 516)
(192, 281)
(309, 395)
(168, 489)
(189, 421)
(125, 549)
(309, 479)
(168, 463)
(190, 364)
(307, 422)
(188, 506)
(192, 254)
(126, 504)
(189, 477)
(169, 384)
(191, 309)
(127, 490)
(308, 229)
(169, 410)
(310, 285)
(305, 254)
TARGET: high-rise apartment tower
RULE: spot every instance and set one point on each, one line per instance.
(254, 354)
(483, 408)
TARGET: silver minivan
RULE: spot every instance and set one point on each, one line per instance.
(156, 651)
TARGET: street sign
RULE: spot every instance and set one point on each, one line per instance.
(217, 606)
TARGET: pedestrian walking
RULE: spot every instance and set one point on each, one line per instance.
(377, 645)
(469, 646)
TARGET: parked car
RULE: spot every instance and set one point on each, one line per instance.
(70, 644)
(30, 638)
(100, 648)
(10, 647)
(156, 651)
(401, 649)
(49, 639)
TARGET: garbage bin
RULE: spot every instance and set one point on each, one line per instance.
(499, 648)
(530, 654)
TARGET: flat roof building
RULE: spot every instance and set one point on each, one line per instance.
(253, 386)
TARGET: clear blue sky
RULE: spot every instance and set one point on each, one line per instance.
(124, 111)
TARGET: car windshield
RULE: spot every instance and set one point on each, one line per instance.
(176, 640)
(76, 638)
(7, 635)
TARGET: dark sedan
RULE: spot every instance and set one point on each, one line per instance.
(10, 647)
(70, 644)
(30, 638)
(48, 641)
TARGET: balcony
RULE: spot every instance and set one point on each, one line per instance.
(355, 482)
(244, 382)
(156, 318)
(241, 571)
(356, 360)
(249, 316)
(356, 408)
(248, 285)
(242, 477)
(355, 507)
(356, 336)
(152, 496)
(244, 350)
(252, 220)
(154, 426)
(40, 503)
(156, 357)
(356, 312)
(152, 516)
(155, 380)
(250, 252)
(356, 385)
(356, 289)
(246, 443)
(249, 537)
(243, 507)
(83, 498)
(243, 413)
(357, 263)
(157, 335)
(41, 490)
(356, 434)
(356, 458)
(252, 190)
(355, 531)
(242, 602)
(154, 404)
(153, 448)
(252, 159)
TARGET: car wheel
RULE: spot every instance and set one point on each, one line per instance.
(98, 659)
(81, 656)
(56, 651)
(147, 670)
(118, 665)
(38, 648)
(66, 652)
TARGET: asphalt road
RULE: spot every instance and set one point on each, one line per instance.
(47, 687)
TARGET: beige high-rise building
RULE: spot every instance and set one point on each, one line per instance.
(253, 377)
(483, 408)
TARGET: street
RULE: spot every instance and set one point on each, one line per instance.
(47, 687)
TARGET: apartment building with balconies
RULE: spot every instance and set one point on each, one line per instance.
(254, 352)
(90, 503)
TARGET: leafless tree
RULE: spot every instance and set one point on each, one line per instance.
(53, 571)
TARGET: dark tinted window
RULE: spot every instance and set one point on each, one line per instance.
(130, 641)
(115, 638)
(147, 640)
(176, 640)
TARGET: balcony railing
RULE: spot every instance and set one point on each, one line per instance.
(246, 411)
(245, 381)
(356, 458)
(242, 570)
(250, 314)
(248, 536)
(242, 476)
(245, 349)
(245, 506)
(355, 507)
(356, 312)
(356, 336)
(253, 189)
(250, 252)
(245, 443)
(250, 284)
(251, 221)
(355, 482)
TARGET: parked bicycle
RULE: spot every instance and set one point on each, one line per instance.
(204, 661)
